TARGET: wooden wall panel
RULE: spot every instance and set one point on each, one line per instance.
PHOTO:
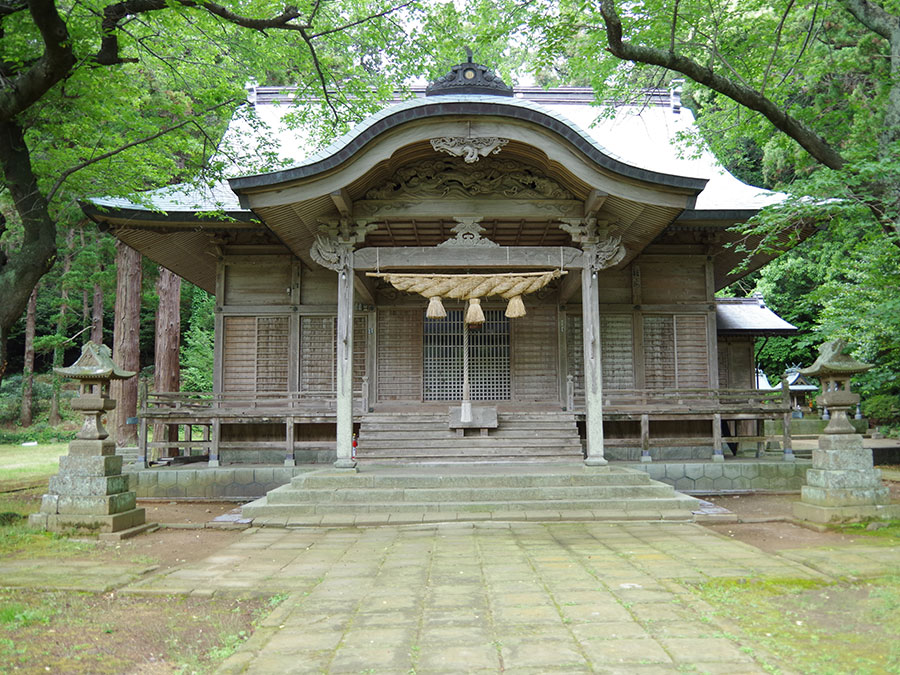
(319, 287)
(256, 353)
(575, 352)
(676, 351)
(399, 354)
(724, 365)
(534, 355)
(318, 357)
(272, 353)
(239, 354)
(671, 282)
(615, 285)
(736, 368)
(257, 283)
(317, 354)
(693, 351)
(617, 350)
(360, 349)
(659, 351)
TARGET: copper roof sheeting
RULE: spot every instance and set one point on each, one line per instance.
(749, 316)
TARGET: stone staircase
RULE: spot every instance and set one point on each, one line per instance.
(421, 493)
(540, 436)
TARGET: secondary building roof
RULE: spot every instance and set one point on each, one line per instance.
(749, 316)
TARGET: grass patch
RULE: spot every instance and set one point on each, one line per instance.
(26, 465)
(67, 632)
(889, 529)
(813, 626)
(20, 541)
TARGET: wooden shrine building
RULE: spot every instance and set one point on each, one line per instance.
(457, 201)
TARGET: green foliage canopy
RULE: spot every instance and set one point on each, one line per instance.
(101, 98)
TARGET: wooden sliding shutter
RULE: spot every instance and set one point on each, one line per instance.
(318, 353)
(617, 351)
(256, 353)
(575, 352)
(676, 351)
(535, 355)
(399, 350)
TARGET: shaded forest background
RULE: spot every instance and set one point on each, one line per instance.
(800, 98)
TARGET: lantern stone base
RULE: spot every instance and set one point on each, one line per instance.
(845, 514)
(843, 486)
(89, 493)
(60, 522)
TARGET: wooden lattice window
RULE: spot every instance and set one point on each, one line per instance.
(488, 358)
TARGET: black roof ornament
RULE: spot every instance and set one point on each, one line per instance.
(469, 78)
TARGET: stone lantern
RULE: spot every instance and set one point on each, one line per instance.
(834, 370)
(90, 492)
(842, 485)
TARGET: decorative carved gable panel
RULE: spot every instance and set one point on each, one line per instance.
(451, 177)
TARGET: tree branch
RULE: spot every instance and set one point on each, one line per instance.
(814, 144)
(114, 14)
(112, 153)
(320, 74)
(8, 8)
(377, 15)
(53, 65)
(787, 10)
(872, 17)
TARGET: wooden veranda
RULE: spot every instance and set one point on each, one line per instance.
(200, 416)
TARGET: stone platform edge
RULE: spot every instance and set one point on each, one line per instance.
(243, 483)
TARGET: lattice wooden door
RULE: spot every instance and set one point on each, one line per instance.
(488, 358)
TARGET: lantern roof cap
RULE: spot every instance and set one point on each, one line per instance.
(833, 361)
(95, 363)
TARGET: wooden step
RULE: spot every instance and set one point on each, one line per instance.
(408, 436)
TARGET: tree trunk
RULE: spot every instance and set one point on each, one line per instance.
(97, 315)
(20, 274)
(126, 342)
(27, 415)
(59, 350)
(168, 347)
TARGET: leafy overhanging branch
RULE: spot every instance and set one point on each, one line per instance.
(140, 141)
(812, 142)
(27, 81)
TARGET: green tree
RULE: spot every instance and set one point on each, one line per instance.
(108, 98)
(826, 76)
(197, 350)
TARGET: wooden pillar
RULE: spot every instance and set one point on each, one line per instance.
(214, 444)
(345, 368)
(645, 438)
(593, 386)
(718, 455)
(289, 442)
(787, 444)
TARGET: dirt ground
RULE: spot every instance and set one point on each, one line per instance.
(189, 531)
(764, 522)
(57, 631)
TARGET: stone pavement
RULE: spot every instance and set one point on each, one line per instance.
(484, 598)
(70, 575)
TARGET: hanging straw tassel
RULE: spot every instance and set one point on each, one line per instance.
(474, 315)
(515, 308)
(435, 308)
